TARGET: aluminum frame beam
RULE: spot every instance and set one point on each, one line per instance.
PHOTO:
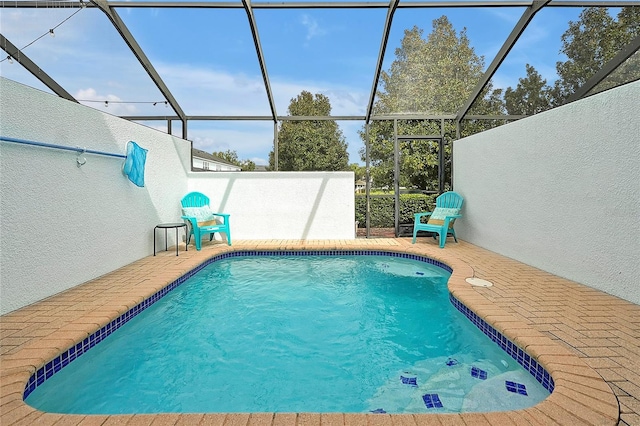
(107, 7)
(20, 57)
(318, 117)
(317, 5)
(511, 40)
(128, 38)
(322, 4)
(607, 69)
(393, 4)
(419, 137)
(263, 65)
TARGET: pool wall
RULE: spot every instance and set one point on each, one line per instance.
(65, 358)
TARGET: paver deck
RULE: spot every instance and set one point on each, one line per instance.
(588, 340)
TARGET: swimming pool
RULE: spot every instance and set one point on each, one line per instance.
(407, 383)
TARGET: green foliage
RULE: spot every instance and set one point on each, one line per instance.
(310, 145)
(623, 32)
(588, 44)
(531, 96)
(232, 157)
(381, 212)
(432, 76)
(228, 155)
(360, 172)
(415, 203)
(248, 165)
(382, 209)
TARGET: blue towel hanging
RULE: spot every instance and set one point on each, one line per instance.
(133, 166)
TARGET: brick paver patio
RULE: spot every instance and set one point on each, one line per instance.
(589, 341)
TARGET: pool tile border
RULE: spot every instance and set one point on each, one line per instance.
(520, 356)
(50, 368)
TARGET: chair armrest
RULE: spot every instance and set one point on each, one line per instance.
(191, 219)
(417, 216)
(194, 220)
(449, 218)
(192, 223)
(225, 215)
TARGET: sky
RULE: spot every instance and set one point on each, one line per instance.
(207, 59)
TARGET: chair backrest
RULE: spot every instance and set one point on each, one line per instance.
(195, 199)
(449, 200)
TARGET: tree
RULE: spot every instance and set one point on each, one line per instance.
(432, 76)
(360, 172)
(232, 157)
(531, 96)
(310, 145)
(590, 43)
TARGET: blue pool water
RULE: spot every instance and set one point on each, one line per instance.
(296, 334)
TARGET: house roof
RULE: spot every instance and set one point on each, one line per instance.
(206, 156)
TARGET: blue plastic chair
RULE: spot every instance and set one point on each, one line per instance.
(203, 221)
(441, 219)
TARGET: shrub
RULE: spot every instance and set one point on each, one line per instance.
(382, 208)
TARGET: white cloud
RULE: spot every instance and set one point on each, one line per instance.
(89, 60)
(112, 105)
(253, 142)
(510, 16)
(312, 26)
(203, 91)
(347, 101)
(344, 100)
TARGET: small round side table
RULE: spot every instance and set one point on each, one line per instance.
(166, 226)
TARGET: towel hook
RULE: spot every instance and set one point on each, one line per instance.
(81, 160)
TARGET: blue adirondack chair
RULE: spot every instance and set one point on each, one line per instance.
(201, 220)
(441, 219)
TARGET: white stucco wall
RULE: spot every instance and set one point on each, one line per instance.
(62, 225)
(277, 205)
(560, 191)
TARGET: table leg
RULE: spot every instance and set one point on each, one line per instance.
(154, 240)
(177, 240)
(165, 239)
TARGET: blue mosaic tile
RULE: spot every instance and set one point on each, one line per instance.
(451, 362)
(413, 381)
(519, 355)
(514, 387)
(432, 400)
(478, 373)
(378, 411)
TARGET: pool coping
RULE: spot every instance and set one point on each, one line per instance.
(596, 404)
